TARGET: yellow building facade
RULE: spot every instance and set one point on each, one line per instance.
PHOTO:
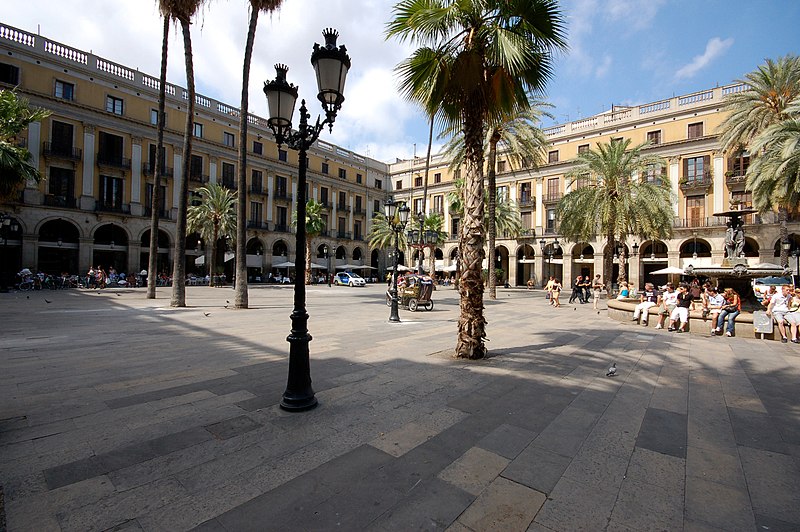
(97, 155)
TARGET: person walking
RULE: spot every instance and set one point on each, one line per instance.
(549, 289)
(577, 290)
(556, 293)
(597, 288)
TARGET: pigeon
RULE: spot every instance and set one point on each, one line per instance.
(47, 300)
(206, 314)
(118, 294)
(612, 371)
(228, 302)
(27, 297)
(226, 306)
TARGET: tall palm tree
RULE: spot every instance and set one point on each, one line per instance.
(213, 218)
(478, 58)
(240, 295)
(315, 224)
(183, 11)
(613, 203)
(157, 200)
(15, 161)
(770, 90)
(507, 218)
(775, 174)
(522, 140)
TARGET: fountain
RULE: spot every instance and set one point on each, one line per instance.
(735, 272)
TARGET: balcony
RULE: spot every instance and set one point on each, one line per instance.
(699, 221)
(346, 235)
(113, 161)
(696, 184)
(526, 202)
(229, 184)
(255, 224)
(359, 238)
(324, 232)
(282, 195)
(60, 201)
(282, 228)
(735, 180)
(149, 169)
(162, 213)
(527, 233)
(258, 189)
(551, 229)
(325, 204)
(342, 207)
(198, 178)
(61, 151)
(552, 197)
(360, 211)
(122, 208)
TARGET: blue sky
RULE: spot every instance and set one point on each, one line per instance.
(621, 52)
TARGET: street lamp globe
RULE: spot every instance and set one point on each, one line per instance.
(331, 65)
(281, 99)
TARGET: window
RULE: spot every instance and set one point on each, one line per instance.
(695, 169)
(552, 156)
(114, 105)
(454, 228)
(457, 174)
(64, 90)
(739, 164)
(228, 139)
(376, 207)
(526, 161)
(62, 138)
(110, 149)
(358, 204)
(437, 177)
(9, 74)
(501, 166)
(695, 130)
(359, 178)
(654, 137)
(342, 173)
(111, 193)
(527, 220)
(581, 181)
(357, 230)
(228, 176)
(154, 117)
(280, 222)
(325, 168)
(61, 185)
(553, 189)
(323, 195)
(281, 189)
(342, 200)
(283, 155)
(342, 227)
(583, 148)
(378, 184)
(148, 199)
(502, 194)
(525, 195)
(653, 173)
(196, 168)
(550, 217)
(438, 203)
(256, 212)
(152, 157)
(418, 181)
(257, 181)
(695, 210)
(399, 185)
(417, 205)
(258, 148)
(616, 139)
(198, 130)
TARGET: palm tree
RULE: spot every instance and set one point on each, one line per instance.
(770, 90)
(381, 234)
(614, 204)
(157, 200)
(315, 225)
(775, 174)
(240, 295)
(522, 140)
(183, 11)
(15, 161)
(478, 58)
(212, 219)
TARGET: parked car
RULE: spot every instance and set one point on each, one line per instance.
(349, 279)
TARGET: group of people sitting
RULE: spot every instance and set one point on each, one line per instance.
(721, 307)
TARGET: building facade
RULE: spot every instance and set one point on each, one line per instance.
(703, 178)
(97, 152)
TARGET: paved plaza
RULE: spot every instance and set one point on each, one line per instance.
(119, 413)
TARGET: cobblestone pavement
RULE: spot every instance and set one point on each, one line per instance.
(117, 412)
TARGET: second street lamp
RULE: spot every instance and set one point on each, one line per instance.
(331, 64)
(397, 218)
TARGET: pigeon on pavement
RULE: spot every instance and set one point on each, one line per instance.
(206, 314)
(47, 300)
(612, 371)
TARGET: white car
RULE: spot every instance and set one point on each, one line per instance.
(349, 279)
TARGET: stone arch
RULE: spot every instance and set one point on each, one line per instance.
(691, 246)
(341, 253)
(280, 248)
(58, 247)
(751, 247)
(358, 254)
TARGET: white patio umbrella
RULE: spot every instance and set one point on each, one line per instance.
(671, 270)
(287, 264)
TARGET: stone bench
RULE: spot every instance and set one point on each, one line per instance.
(622, 310)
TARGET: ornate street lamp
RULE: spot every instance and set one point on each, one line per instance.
(331, 64)
(420, 239)
(397, 217)
(549, 249)
(327, 252)
(8, 226)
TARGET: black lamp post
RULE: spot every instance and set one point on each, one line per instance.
(420, 239)
(331, 64)
(796, 255)
(397, 217)
(549, 249)
(787, 247)
(327, 251)
(8, 226)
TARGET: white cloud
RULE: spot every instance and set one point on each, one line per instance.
(602, 69)
(635, 14)
(715, 48)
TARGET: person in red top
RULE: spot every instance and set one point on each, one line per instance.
(731, 309)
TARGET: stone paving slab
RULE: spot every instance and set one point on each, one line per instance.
(175, 426)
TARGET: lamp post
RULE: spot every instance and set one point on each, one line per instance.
(421, 239)
(8, 227)
(329, 275)
(397, 217)
(331, 64)
(796, 255)
(550, 249)
(787, 248)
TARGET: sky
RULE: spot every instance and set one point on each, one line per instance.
(621, 52)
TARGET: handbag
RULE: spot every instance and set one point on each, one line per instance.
(730, 308)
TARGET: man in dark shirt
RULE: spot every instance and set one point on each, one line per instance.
(586, 286)
(577, 289)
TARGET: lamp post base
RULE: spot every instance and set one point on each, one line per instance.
(298, 402)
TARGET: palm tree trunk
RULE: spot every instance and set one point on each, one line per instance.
(240, 295)
(491, 193)
(471, 323)
(212, 262)
(308, 260)
(608, 261)
(179, 267)
(152, 264)
(784, 234)
(425, 195)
